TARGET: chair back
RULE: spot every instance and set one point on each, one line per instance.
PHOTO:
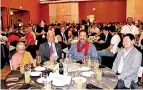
(10, 65)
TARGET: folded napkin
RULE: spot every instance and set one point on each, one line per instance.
(12, 79)
(91, 86)
(15, 76)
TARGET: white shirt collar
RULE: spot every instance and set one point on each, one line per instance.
(128, 50)
(51, 43)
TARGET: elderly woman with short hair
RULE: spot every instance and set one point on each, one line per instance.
(21, 57)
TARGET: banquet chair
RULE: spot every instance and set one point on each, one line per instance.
(10, 65)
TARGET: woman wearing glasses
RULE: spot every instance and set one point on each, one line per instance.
(21, 57)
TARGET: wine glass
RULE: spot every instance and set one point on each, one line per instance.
(38, 60)
(27, 66)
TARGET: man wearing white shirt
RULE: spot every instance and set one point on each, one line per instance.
(95, 29)
(112, 49)
(130, 28)
(127, 63)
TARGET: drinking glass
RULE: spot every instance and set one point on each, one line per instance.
(95, 64)
(47, 85)
(79, 84)
(22, 69)
(34, 63)
(98, 76)
(38, 60)
(27, 76)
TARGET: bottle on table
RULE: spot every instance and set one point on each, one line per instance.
(61, 68)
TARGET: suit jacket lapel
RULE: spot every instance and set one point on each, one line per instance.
(47, 49)
(129, 55)
(57, 49)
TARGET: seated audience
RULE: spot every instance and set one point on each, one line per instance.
(21, 57)
(83, 48)
(127, 63)
(113, 47)
(50, 48)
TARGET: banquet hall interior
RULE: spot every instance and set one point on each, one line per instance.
(32, 23)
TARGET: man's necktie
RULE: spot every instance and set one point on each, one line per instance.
(51, 50)
(64, 38)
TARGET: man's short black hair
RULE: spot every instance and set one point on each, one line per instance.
(112, 28)
(131, 36)
(106, 28)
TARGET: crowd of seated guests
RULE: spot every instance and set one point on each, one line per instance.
(36, 34)
(109, 38)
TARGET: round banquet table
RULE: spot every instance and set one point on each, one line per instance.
(109, 80)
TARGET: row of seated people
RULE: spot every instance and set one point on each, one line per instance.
(83, 48)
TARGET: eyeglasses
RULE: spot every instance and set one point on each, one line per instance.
(21, 49)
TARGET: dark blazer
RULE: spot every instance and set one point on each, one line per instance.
(44, 51)
(102, 37)
(107, 42)
(62, 36)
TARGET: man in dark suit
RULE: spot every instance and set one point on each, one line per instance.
(62, 33)
(104, 40)
(50, 48)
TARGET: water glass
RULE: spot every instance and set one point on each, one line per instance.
(27, 76)
(22, 69)
(79, 84)
(38, 59)
(47, 85)
(34, 63)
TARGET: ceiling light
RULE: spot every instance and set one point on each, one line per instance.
(93, 8)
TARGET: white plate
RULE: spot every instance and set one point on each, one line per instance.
(39, 68)
(84, 69)
(35, 73)
(59, 83)
(41, 80)
(87, 74)
(114, 80)
(79, 78)
(60, 80)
